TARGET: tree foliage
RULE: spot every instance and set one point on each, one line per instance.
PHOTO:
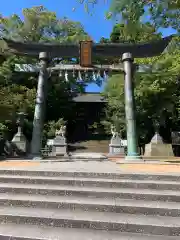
(164, 13)
(41, 25)
(18, 90)
(156, 95)
(52, 126)
(144, 32)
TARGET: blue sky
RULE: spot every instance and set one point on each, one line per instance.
(95, 25)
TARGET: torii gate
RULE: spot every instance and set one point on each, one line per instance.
(86, 51)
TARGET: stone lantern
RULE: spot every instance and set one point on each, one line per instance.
(19, 140)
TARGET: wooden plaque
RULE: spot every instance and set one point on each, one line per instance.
(86, 53)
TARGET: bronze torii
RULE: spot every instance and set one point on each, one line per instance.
(86, 51)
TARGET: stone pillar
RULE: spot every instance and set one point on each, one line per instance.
(19, 140)
(132, 145)
(36, 143)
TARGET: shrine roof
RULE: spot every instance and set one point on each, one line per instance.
(89, 97)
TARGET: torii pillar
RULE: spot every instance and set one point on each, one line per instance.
(36, 143)
(132, 144)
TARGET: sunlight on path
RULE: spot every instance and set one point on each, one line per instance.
(153, 168)
(18, 164)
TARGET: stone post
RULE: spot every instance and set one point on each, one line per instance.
(36, 143)
(132, 145)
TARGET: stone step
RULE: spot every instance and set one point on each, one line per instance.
(154, 225)
(91, 182)
(126, 193)
(92, 146)
(31, 232)
(95, 174)
(81, 205)
(92, 204)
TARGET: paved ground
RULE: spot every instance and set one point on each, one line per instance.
(94, 166)
(151, 168)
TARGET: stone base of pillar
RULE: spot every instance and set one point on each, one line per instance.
(34, 157)
(37, 158)
(132, 158)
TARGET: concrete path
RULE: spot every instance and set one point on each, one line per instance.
(94, 166)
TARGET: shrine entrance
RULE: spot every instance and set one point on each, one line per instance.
(87, 52)
(85, 133)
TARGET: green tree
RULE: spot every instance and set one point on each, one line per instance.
(164, 13)
(18, 89)
(155, 94)
(41, 25)
(143, 32)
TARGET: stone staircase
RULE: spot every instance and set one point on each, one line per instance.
(92, 146)
(43, 204)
